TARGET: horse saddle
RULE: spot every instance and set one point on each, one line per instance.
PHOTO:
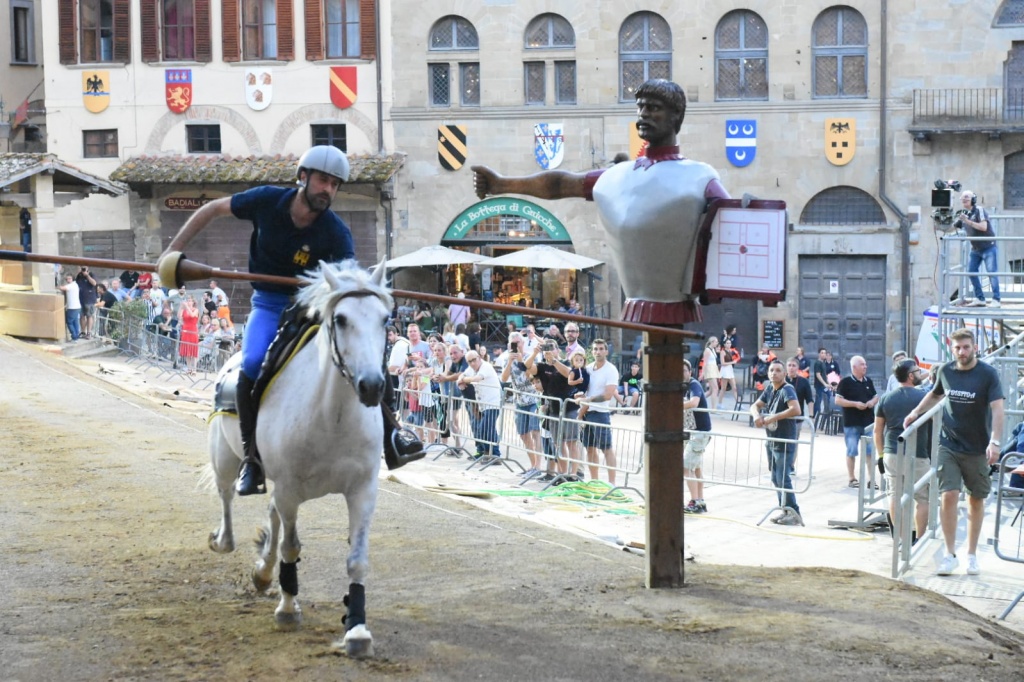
(294, 331)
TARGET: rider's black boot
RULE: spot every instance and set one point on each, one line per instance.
(401, 446)
(250, 474)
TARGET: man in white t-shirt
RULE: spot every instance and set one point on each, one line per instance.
(531, 339)
(458, 313)
(597, 433)
(484, 380)
(72, 307)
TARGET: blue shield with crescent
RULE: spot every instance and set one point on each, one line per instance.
(740, 142)
(548, 144)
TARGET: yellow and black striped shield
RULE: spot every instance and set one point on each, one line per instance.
(451, 146)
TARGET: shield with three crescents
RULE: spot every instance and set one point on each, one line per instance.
(740, 141)
(451, 146)
(259, 87)
(96, 90)
(178, 90)
(840, 140)
(344, 84)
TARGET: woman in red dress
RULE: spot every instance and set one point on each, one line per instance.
(188, 347)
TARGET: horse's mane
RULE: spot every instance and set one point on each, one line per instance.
(319, 298)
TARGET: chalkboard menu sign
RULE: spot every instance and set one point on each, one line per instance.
(773, 332)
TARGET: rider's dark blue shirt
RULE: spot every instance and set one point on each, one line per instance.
(277, 247)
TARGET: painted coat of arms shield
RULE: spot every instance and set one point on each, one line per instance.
(548, 144)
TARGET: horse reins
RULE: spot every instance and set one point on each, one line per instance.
(336, 358)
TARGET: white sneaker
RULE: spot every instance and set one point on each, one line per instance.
(948, 565)
(972, 565)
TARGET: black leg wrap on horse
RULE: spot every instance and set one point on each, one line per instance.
(355, 600)
(288, 575)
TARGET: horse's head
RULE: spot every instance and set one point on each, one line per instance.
(354, 307)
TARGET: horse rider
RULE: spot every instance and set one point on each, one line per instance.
(294, 230)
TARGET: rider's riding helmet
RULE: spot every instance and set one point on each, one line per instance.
(326, 159)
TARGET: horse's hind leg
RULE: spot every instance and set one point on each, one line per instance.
(224, 463)
(358, 641)
(288, 614)
(266, 543)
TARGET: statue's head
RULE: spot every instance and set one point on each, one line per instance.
(669, 94)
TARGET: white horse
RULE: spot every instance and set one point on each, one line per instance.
(319, 432)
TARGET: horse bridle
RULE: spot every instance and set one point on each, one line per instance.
(336, 358)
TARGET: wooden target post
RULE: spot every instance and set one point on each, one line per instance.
(664, 441)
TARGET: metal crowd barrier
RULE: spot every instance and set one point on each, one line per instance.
(141, 345)
(1013, 498)
(733, 460)
(742, 461)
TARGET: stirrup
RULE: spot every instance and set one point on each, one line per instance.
(251, 480)
(402, 448)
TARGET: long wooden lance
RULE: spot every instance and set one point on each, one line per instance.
(191, 270)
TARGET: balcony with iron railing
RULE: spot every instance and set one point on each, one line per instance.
(993, 111)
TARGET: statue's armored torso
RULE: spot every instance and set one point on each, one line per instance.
(652, 213)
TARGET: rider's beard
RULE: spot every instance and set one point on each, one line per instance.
(317, 202)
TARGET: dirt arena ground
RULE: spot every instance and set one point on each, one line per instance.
(107, 576)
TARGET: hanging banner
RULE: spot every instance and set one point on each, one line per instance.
(178, 89)
(259, 87)
(96, 90)
(740, 141)
(840, 140)
(344, 84)
(451, 146)
(548, 144)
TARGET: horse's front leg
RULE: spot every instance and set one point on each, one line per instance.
(224, 465)
(358, 641)
(266, 543)
(288, 614)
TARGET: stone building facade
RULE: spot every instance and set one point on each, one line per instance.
(924, 91)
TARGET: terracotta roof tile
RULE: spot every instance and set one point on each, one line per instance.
(198, 169)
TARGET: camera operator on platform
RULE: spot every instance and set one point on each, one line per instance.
(974, 220)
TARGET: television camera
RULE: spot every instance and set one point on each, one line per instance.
(946, 211)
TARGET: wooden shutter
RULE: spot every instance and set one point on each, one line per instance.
(67, 39)
(231, 44)
(314, 30)
(123, 31)
(150, 32)
(368, 29)
(285, 30)
(204, 40)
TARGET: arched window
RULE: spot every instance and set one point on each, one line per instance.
(451, 34)
(842, 206)
(741, 57)
(1013, 180)
(840, 48)
(1010, 13)
(645, 52)
(549, 32)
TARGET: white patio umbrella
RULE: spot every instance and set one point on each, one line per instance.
(542, 257)
(434, 255)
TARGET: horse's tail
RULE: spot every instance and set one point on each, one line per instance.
(207, 481)
(262, 540)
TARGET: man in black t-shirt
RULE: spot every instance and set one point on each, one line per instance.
(857, 396)
(890, 412)
(969, 442)
(774, 412)
(103, 305)
(557, 391)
